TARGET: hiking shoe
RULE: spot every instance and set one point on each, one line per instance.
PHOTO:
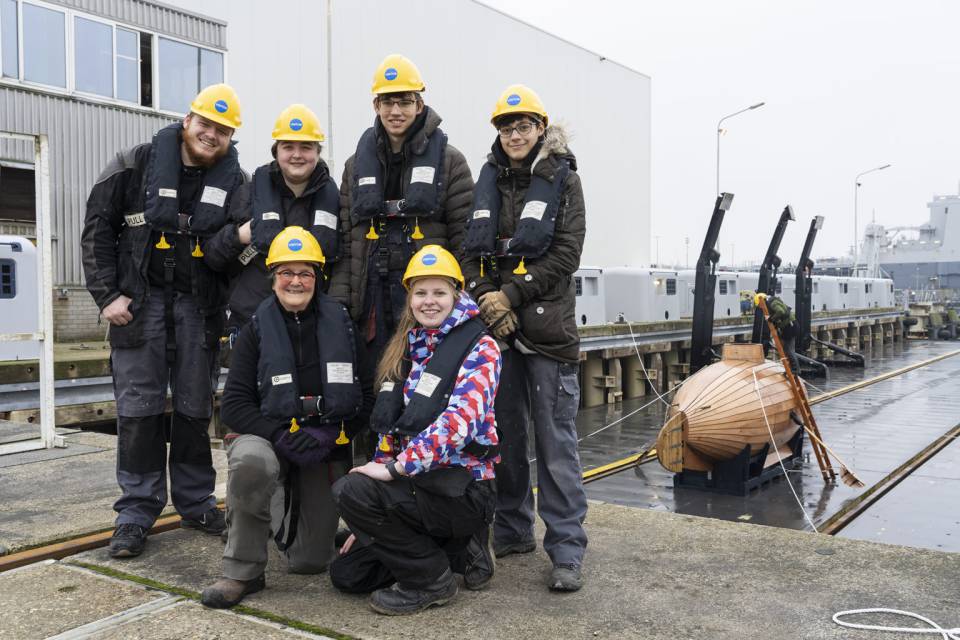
(480, 560)
(212, 522)
(398, 601)
(128, 540)
(226, 592)
(501, 549)
(565, 577)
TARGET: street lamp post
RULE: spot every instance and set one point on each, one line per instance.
(720, 130)
(856, 225)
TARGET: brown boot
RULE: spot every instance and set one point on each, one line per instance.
(226, 592)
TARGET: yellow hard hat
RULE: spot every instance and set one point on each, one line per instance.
(298, 122)
(218, 103)
(294, 244)
(397, 74)
(433, 261)
(518, 98)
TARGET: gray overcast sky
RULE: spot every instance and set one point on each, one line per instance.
(849, 86)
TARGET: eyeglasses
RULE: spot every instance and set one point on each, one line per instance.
(523, 129)
(405, 104)
(305, 276)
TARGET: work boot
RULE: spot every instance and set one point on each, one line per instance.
(211, 522)
(227, 592)
(565, 577)
(398, 601)
(502, 549)
(128, 540)
(480, 561)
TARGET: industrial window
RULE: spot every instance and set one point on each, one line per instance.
(866, 287)
(184, 70)
(9, 53)
(17, 195)
(731, 285)
(578, 281)
(845, 287)
(723, 287)
(103, 52)
(671, 287)
(816, 286)
(44, 45)
(8, 278)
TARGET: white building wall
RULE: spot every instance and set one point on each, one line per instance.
(468, 53)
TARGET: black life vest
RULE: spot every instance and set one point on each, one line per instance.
(534, 229)
(422, 179)
(162, 181)
(439, 377)
(277, 368)
(269, 218)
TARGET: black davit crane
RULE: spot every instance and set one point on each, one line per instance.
(701, 342)
(767, 282)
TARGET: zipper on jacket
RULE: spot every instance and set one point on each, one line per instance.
(296, 316)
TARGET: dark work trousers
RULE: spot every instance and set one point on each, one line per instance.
(255, 501)
(140, 380)
(551, 390)
(404, 533)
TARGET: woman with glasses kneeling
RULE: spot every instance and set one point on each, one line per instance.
(430, 486)
(294, 395)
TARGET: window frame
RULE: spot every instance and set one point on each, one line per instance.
(70, 59)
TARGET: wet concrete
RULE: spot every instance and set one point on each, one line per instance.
(874, 430)
(648, 575)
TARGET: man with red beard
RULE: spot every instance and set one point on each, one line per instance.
(149, 216)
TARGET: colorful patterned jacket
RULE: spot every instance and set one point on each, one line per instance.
(469, 415)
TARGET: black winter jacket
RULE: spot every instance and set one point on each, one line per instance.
(545, 298)
(349, 281)
(250, 284)
(240, 406)
(116, 257)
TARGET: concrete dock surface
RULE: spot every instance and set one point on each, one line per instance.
(648, 575)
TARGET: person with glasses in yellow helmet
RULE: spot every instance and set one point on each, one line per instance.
(415, 507)
(523, 244)
(404, 188)
(296, 396)
(296, 189)
(149, 217)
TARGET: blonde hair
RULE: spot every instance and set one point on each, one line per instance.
(396, 353)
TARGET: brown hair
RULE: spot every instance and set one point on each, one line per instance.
(276, 143)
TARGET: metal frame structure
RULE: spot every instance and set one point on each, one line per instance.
(767, 281)
(44, 334)
(701, 342)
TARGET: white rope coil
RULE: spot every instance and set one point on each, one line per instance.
(946, 634)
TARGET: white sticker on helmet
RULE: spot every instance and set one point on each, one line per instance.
(422, 174)
(324, 219)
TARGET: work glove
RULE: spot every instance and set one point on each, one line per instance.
(301, 441)
(505, 326)
(493, 306)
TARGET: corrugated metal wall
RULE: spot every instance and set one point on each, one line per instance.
(83, 137)
(156, 17)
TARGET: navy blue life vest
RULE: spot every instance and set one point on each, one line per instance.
(277, 368)
(391, 417)
(162, 181)
(534, 229)
(422, 179)
(269, 218)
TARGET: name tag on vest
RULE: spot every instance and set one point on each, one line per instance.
(534, 209)
(340, 372)
(387, 386)
(270, 215)
(427, 385)
(323, 218)
(285, 378)
(365, 181)
(167, 193)
(481, 213)
(214, 196)
(247, 255)
(422, 174)
(135, 219)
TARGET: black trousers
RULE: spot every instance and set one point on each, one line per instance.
(405, 532)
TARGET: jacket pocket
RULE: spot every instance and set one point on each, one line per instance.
(130, 334)
(549, 321)
(568, 393)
